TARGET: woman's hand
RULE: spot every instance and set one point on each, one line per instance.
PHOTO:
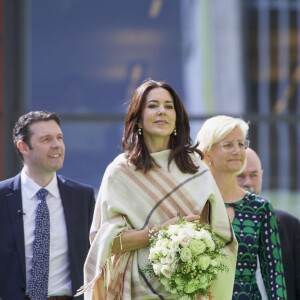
(135, 239)
(189, 218)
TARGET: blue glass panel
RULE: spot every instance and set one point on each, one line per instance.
(90, 147)
(84, 58)
(87, 56)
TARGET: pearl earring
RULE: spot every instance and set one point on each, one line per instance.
(175, 132)
(139, 131)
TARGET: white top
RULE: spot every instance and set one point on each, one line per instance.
(59, 269)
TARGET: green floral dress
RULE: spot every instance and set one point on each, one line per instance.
(256, 231)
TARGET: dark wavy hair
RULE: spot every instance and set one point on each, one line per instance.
(133, 144)
(21, 130)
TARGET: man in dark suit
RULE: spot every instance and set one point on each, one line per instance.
(288, 225)
(69, 204)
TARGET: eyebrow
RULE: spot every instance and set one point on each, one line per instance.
(238, 140)
(154, 100)
(248, 172)
(49, 134)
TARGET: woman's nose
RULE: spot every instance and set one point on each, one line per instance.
(161, 110)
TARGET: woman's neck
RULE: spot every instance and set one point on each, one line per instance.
(229, 188)
(156, 144)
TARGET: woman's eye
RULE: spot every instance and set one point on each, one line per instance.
(152, 105)
(229, 145)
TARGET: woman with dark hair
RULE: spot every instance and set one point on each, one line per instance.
(179, 142)
(159, 175)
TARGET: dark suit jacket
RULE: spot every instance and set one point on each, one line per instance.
(289, 232)
(78, 202)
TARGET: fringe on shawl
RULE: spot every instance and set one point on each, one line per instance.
(90, 285)
(109, 282)
(115, 284)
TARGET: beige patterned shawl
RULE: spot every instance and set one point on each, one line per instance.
(130, 199)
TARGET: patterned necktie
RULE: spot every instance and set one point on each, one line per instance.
(38, 283)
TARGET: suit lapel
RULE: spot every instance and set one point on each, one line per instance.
(15, 209)
(66, 193)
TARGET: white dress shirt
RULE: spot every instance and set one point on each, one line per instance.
(59, 269)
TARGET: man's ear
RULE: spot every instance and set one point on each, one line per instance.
(22, 147)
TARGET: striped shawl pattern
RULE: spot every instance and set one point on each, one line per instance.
(130, 199)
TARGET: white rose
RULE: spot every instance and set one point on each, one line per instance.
(152, 254)
(156, 250)
(162, 243)
(166, 270)
(203, 234)
(174, 244)
(170, 257)
(190, 232)
(157, 268)
(183, 237)
(173, 229)
(165, 252)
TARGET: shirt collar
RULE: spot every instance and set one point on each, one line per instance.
(30, 187)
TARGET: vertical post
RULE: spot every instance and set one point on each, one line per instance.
(13, 81)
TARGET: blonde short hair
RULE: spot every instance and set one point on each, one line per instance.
(216, 128)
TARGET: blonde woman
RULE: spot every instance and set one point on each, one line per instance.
(223, 141)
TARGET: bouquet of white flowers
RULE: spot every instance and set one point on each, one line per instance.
(186, 258)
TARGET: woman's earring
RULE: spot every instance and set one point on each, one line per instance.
(209, 163)
(140, 131)
(175, 132)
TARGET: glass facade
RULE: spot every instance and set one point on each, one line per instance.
(272, 55)
(86, 57)
(83, 59)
